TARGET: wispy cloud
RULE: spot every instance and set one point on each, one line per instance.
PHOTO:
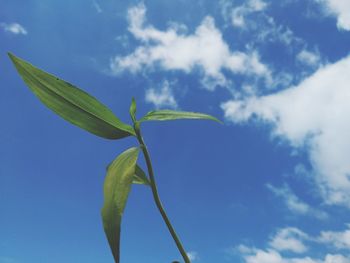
(162, 97)
(309, 58)
(205, 50)
(237, 15)
(251, 18)
(313, 114)
(14, 28)
(259, 30)
(97, 6)
(295, 204)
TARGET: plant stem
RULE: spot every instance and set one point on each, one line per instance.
(156, 196)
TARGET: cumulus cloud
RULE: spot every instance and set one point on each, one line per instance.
(14, 28)
(313, 114)
(161, 98)
(341, 9)
(295, 204)
(205, 50)
(289, 239)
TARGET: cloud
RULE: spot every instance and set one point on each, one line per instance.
(204, 50)
(250, 17)
(309, 58)
(294, 204)
(340, 9)
(289, 239)
(97, 6)
(260, 31)
(238, 14)
(340, 239)
(161, 98)
(311, 115)
(14, 28)
(272, 256)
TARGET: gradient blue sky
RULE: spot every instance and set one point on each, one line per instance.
(271, 185)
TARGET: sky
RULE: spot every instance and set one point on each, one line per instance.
(270, 185)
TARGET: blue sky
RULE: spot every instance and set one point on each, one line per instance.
(271, 185)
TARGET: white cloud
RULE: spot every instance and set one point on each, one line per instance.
(336, 259)
(341, 9)
(251, 17)
(272, 32)
(309, 58)
(258, 30)
(205, 50)
(192, 255)
(313, 114)
(161, 98)
(14, 28)
(237, 15)
(289, 239)
(243, 249)
(294, 204)
(272, 256)
(340, 239)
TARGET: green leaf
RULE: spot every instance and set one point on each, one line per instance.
(140, 177)
(116, 190)
(71, 103)
(132, 110)
(167, 115)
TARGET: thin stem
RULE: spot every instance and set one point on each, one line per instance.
(157, 199)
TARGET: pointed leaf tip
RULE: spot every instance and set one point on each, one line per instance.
(116, 191)
(132, 109)
(71, 103)
(140, 177)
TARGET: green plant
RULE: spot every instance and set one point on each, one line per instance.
(86, 112)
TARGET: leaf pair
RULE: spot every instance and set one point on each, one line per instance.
(82, 109)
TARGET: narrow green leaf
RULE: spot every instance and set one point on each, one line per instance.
(71, 103)
(167, 115)
(132, 110)
(140, 177)
(116, 190)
